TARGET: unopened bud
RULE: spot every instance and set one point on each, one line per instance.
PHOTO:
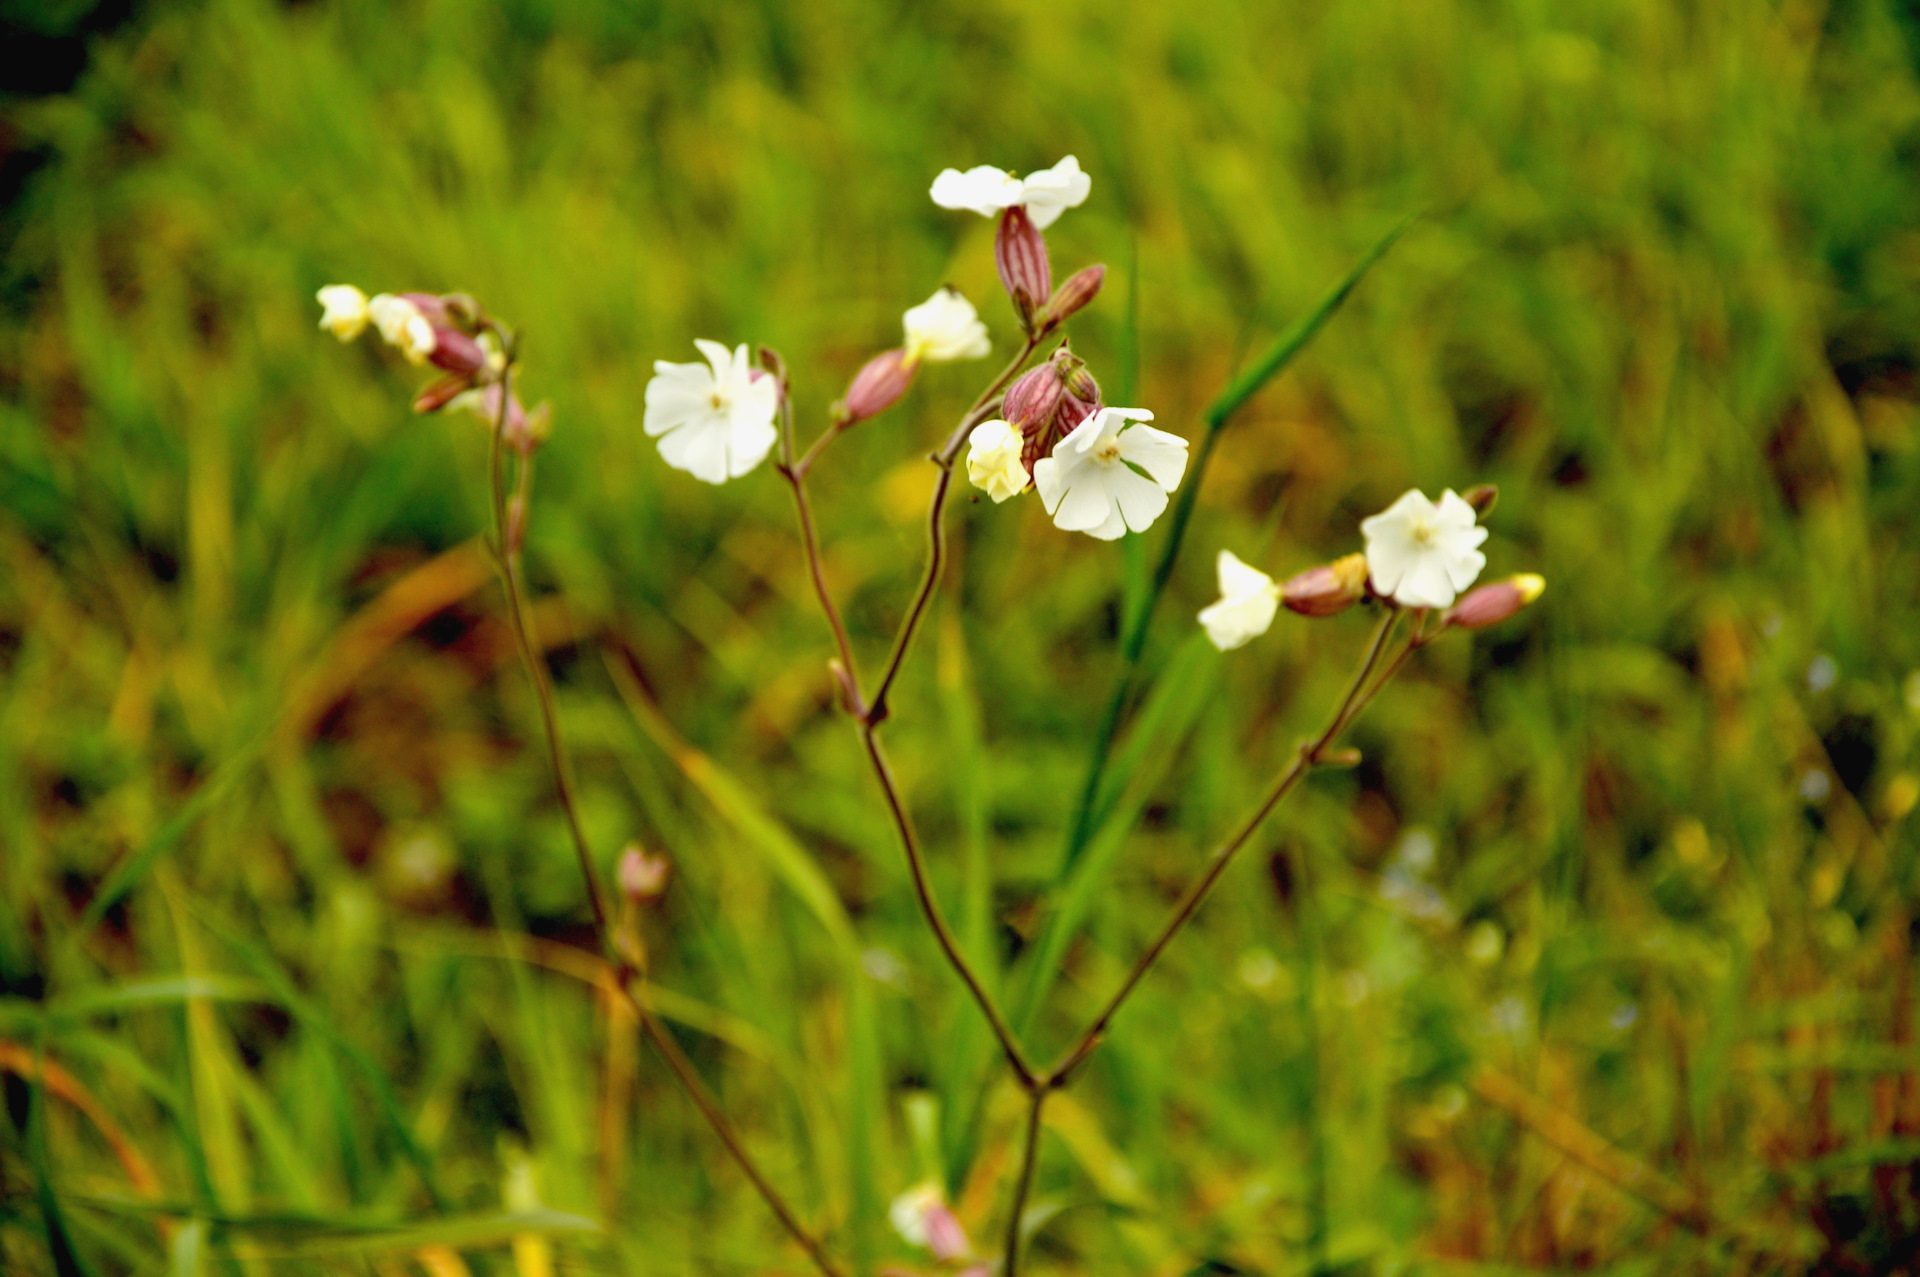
(643, 877)
(1075, 377)
(1034, 398)
(1328, 589)
(436, 395)
(436, 310)
(876, 387)
(538, 424)
(464, 309)
(1481, 498)
(1492, 604)
(776, 366)
(458, 353)
(1081, 287)
(1021, 254)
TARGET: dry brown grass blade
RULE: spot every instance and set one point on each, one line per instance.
(1591, 1149)
(63, 1086)
(395, 612)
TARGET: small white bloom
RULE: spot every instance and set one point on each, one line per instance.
(1422, 554)
(993, 460)
(942, 328)
(1248, 601)
(1110, 476)
(908, 1212)
(986, 190)
(402, 326)
(713, 420)
(346, 310)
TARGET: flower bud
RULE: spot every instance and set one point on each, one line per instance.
(1034, 398)
(643, 877)
(876, 387)
(1328, 589)
(464, 311)
(1021, 255)
(436, 310)
(1492, 604)
(1074, 395)
(1481, 498)
(1081, 287)
(436, 395)
(458, 353)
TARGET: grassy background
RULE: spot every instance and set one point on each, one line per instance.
(282, 889)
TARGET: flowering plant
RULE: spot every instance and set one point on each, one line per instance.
(1042, 426)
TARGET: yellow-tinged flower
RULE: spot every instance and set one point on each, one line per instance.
(943, 328)
(344, 311)
(993, 460)
(1248, 601)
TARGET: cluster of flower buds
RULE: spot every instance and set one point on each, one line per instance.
(1420, 554)
(450, 332)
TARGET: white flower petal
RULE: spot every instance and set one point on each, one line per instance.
(1236, 619)
(983, 189)
(1052, 191)
(1239, 579)
(1139, 499)
(700, 451)
(1084, 506)
(345, 310)
(944, 327)
(1160, 454)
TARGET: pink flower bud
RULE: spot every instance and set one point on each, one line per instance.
(434, 308)
(436, 395)
(1492, 604)
(876, 387)
(456, 352)
(1481, 498)
(642, 877)
(1034, 398)
(1328, 589)
(1021, 255)
(1081, 287)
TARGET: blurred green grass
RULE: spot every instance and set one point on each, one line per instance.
(1644, 849)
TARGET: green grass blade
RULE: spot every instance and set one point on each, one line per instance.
(1140, 616)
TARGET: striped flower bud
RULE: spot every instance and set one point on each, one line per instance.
(1021, 254)
(1492, 604)
(876, 387)
(1328, 589)
(1081, 287)
(458, 353)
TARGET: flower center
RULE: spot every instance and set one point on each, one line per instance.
(1108, 452)
(1421, 531)
(718, 400)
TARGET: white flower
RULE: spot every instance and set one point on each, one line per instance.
(942, 328)
(715, 422)
(346, 310)
(1093, 482)
(1422, 554)
(986, 190)
(993, 460)
(1248, 600)
(403, 326)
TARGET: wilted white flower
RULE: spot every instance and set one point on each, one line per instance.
(403, 326)
(345, 310)
(1422, 554)
(713, 420)
(993, 460)
(986, 190)
(942, 328)
(1248, 601)
(1111, 475)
